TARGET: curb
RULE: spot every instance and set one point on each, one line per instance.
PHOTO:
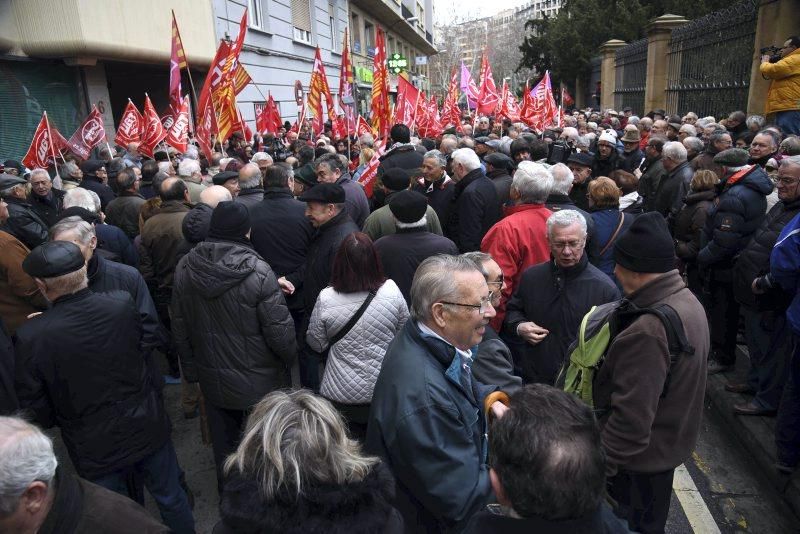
(756, 434)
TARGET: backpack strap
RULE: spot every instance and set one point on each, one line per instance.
(614, 235)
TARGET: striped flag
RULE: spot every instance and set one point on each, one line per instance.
(380, 88)
(318, 88)
(177, 62)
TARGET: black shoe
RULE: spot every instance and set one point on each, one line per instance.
(751, 408)
(741, 387)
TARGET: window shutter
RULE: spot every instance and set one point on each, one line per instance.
(301, 14)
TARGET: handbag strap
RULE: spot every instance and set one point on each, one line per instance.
(354, 319)
(614, 235)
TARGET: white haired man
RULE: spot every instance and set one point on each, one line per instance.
(251, 191)
(45, 200)
(189, 171)
(475, 204)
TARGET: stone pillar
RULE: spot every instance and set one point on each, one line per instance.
(659, 33)
(608, 78)
(777, 20)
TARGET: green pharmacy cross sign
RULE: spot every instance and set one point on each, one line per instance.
(397, 63)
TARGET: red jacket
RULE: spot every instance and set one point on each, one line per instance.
(517, 242)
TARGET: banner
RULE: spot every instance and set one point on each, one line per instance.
(367, 178)
(268, 118)
(487, 96)
(88, 135)
(318, 88)
(206, 126)
(346, 86)
(380, 88)
(40, 154)
(405, 110)
(130, 126)
(154, 131)
(451, 114)
(363, 127)
(178, 134)
(544, 112)
(468, 87)
(177, 62)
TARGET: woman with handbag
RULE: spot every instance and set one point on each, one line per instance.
(609, 223)
(355, 319)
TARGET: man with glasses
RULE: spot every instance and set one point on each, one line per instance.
(46, 201)
(552, 298)
(428, 416)
(783, 98)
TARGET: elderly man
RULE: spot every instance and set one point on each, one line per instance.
(331, 170)
(263, 160)
(784, 89)
(763, 147)
(381, 222)
(250, 191)
(195, 224)
(132, 157)
(475, 206)
(632, 156)
(686, 130)
(652, 171)
(402, 251)
(95, 178)
(71, 175)
(694, 147)
(123, 211)
(435, 184)
(189, 171)
(80, 366)
(23, 222)
(645, 129)
(39, 497)
(718, 141)
(45, 200)
(427, 419)
(499, 169)
(650, 395)
(673, 187)
(518, 240)
(229, 180)
(660, 127)
(581, 164)
(552, 298)
(149, 171)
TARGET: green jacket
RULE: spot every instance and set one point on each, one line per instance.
(381, 223)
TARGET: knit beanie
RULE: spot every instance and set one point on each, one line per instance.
(647, 246)
(229, 220)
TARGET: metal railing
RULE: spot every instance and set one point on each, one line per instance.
(631, 76)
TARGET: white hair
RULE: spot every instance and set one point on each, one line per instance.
(26, 456)
(82, 229)
(366, 140)
(564, 218)
(675, 151)
(466, 157)
(191, 152)
(562, 178)
(533, 182)
(695, 143)
(224, 163)
(187, 167)
(570, 133)
(82, 198)
(261, 156)
(689, 129)
(165, 166)
(434, 281)
(38, 171)
(441, 160)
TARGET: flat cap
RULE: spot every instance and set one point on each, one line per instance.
(54, 258)
(482, 140)
(326, 193)
(222, 177)
(494, 144)
(91, 166)
(733, 157)
(408, 206)
(584, 159)
(396, 179)
(8, 181)
(499, 161)
(306, 175)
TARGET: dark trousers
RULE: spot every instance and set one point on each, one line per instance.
(356, 416)
(642, 499)
(162, 475)
(225, 427)
(787, 429)
(723, 321)
(767, 336)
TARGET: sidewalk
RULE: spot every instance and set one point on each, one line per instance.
(756, 434)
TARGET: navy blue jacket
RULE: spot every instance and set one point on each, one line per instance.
(606, 222)
(113, 240)
(475, 208)
(93, 183)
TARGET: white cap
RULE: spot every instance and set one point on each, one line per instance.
(608, 137)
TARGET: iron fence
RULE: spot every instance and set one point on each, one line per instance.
(631, 76)
(709, 62)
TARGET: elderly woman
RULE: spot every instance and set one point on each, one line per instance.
(609, 223)
(355, 319)
(297, 471)
(689, 225)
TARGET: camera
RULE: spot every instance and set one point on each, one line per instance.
(773, 52)
(559, 152)
(279, 152)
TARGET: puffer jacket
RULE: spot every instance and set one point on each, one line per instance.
(689, 223)
(736, 214)
(784, 91)
(355, 361)
(24, 223)
(230, 324)
(754, 260)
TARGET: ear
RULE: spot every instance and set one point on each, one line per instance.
(93, 242)
(34, 498)
(438, 315)
(497, 487)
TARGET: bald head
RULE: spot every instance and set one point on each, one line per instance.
(214, 195)
(249, 176)
(173, 189)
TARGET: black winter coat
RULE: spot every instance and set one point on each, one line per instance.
(403, 156)
(736, 214)
(24, 223)
(689, 224)
(114, 241)
(474, 209)
(230, 324)
(753, 261)
(630, 161)
(672, 189)
(316, 275)
(557, 202)
(601, 521)
(80, 366)
(555, 299)
(362, 507)
(93, 183)
(402, 252)
(48, 208)
(502, 184)
(652, 175)
(604, 167)
(439, 195)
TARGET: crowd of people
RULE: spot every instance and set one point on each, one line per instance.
(395, 362)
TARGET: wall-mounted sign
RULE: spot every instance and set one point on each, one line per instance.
(298, 92)
(397, 63)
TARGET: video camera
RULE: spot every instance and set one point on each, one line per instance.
(559, 151)
(773, 52)
(278, 150)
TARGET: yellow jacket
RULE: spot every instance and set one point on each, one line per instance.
(784, 91)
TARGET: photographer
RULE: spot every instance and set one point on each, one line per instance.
(783, 98)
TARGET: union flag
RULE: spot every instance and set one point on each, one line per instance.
(42, 150)
(154, 131)
(317, 88)
(176, 63)
(487, 96)
(88, 135)
(130, 126)
(178, 134)
(381, 116)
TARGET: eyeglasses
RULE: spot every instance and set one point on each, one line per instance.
(482, 308)
(786, 181)
(571, 244)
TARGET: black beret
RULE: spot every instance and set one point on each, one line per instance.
(14, 163)
(395, 179)
(83, 213)
(8, 181)
(326, 193)
(222, 177)
(90, 166)
(499, 160)
(732, 157)
(54, 258)
(482, 140)
(581, 158)
(229, 220)
(408, 206)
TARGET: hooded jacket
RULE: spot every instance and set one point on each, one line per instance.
(230, 324)
(784, 90)
(474, 209)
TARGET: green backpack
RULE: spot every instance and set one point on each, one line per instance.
(598, 329)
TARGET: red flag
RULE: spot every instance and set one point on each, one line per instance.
(269, 120)
(487, 96)
(154, 131)
(178, 134)
(346, 85)
(129, 126)
(363, 127)
(168, 119)
(367, 178)
(59, 142)
(526, 111)
(177, 62)
(566, 98)
(422, 118)
(88, 135)
(40, 153)
(380, 88)
(451, 114)
(508, 107)
(339, 127)
(317, 88)
(544, 111)
(405, 110)
(434, 121)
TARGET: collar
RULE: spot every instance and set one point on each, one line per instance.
(253, 191)
(679, 168)
(441, 183)
(336, 220)
(277, 192)
(93, 267)
(559, 198)
(78, 295)
(130, 194)
(470, 177)
(426, 331)
(415, 230)
(517, 208)
(344, 178)
(738, 175)
(657, 289)
(173, 206)
(67, 507)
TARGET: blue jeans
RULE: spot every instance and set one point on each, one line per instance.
(788, 121)
(162, 478)
(787, 429)
(767, 336)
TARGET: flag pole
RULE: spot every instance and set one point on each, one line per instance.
(52, 146)
(185, 59)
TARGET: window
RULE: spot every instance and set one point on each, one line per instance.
(390, 45)
(334, 33)
(355, 32)
(420, 16)
(369, 38)
(258, 14)
(301, 20)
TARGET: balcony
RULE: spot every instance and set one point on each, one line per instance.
(384, 13)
